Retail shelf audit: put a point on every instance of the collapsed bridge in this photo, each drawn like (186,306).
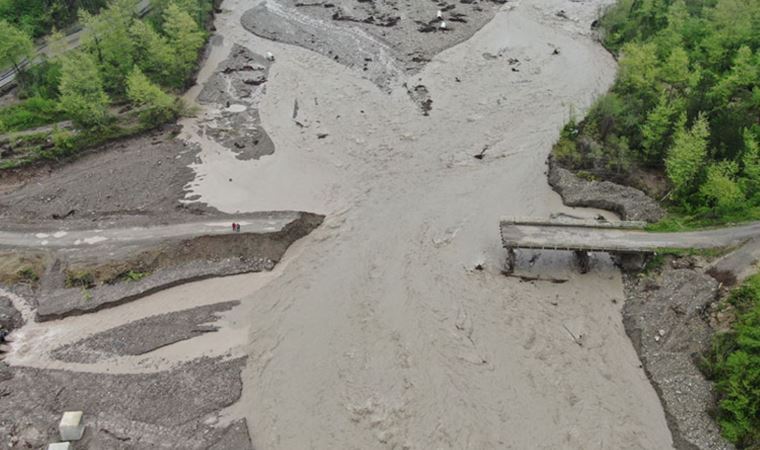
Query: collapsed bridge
(628,242)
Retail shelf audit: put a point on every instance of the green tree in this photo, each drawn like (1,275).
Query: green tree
(744,75)
(107,37)
(675,72)
(186,38)
(751,164)
(15,45)
(158,106)
(82,94)
(686,157)
(720,186)
(153,53)
(739,384)
(656,129)
(639,69)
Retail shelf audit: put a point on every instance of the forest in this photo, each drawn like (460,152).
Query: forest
(37,18)
(123,60)
(682,120)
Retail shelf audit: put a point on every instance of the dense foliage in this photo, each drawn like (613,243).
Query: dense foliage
(15,45)
(163,48)
(38,17)
(34,112)
(122,58)
(684,109)
(734,365)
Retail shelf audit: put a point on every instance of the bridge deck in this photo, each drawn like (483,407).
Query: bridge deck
(624,237)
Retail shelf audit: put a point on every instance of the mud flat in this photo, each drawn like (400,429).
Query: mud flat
(145,335)
(383,331)
(234,90)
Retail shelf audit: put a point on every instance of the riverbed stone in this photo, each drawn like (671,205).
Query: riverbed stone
(664,317)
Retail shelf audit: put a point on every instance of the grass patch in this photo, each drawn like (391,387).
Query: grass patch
(134,275)
(28,274)
(31,113)
(79,278)
(17,267)
(677,220)
(62,144)
(86,294)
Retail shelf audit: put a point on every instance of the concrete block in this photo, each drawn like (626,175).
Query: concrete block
(59,446)
(71,426)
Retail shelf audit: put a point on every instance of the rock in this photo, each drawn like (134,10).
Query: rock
(667,329)
(629,203)
(10,318)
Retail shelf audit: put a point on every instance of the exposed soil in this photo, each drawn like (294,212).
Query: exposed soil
(146,411)
(84,279)
(137,181)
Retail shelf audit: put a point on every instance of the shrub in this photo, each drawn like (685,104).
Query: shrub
(80,278)
(734,365)
(27,274)
(31,113)
(64,140)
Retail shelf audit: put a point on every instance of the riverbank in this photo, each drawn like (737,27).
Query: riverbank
(391,324)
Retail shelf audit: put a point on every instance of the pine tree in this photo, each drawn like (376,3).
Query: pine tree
(720,186)
(185,37)
(686,157)
(82,94)
(107,37)
(15,45)
(158,105)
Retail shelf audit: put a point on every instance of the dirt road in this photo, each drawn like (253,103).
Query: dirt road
(251,223)
(379,333)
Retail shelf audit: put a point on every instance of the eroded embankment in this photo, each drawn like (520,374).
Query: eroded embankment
(75,286)
(627,202)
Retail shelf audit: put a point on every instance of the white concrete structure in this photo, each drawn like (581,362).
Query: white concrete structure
(59,446)
(71,426)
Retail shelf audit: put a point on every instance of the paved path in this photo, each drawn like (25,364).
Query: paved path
(589,236)
(257,222)
(72,41)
